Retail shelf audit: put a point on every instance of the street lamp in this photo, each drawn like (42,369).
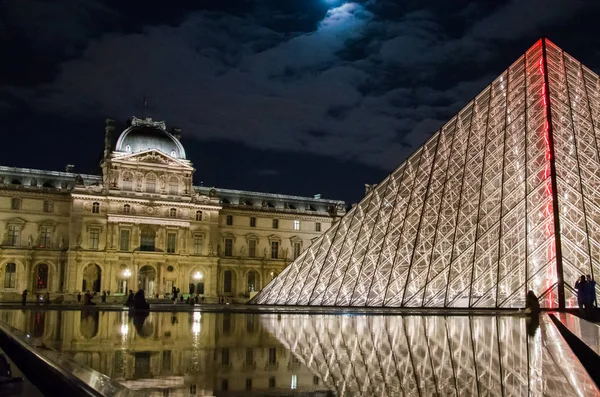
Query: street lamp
(198,276)
(126,273)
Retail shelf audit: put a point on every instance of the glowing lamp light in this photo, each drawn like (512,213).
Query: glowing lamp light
(198,276)
(126,273)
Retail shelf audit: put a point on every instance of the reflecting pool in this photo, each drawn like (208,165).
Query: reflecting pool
(226,354)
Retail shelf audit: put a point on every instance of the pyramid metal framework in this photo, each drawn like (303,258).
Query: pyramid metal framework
(503,199)
(433,355)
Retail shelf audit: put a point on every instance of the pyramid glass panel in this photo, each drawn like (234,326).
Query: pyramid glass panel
(503,199)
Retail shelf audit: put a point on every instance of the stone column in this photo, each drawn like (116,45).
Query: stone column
(161,275)
(109,236)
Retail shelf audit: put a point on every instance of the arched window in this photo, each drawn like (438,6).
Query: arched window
(198,216)
(173,185)
(95,208)
(10,275)
(126,209)
(173,212)
(127,181)
(148,239)
(151,183)
(41,281)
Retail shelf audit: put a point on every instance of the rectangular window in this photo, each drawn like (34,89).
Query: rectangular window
(94,241)
(296,225)
(316,380)
(225,356)
(197,245)
(224,385)
(166,360)
(229,220)
(10,275)
(272,355)
(14,235)
(294,381)
(274,249)
(297,249)
(248,383)
(228,247)
(227,278)
(317,226)
(275,223)
(45,237)
(252,221)
(124,240)
(15,204)
(171,242)
(272,382)
(252,248)
(249,356)
(48,206)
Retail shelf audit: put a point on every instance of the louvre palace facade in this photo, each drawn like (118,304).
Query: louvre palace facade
(143,224)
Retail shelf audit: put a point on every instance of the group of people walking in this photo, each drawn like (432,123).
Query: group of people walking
(586,295)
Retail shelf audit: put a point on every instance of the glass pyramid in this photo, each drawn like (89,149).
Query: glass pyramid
(503,199)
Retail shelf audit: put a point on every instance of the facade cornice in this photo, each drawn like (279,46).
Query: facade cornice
(122,199)
(36,192)
(279,214)
(147,221)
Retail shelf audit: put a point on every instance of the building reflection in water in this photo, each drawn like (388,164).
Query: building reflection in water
(223,353)
(174,354)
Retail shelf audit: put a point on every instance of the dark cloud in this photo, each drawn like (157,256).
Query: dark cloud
(363,81)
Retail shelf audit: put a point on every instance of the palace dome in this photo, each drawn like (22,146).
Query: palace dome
(146,134)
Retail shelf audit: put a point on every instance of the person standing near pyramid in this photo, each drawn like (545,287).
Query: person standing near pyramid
(590,297)
(580,285)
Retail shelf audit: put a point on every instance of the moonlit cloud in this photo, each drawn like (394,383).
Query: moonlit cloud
(368,82)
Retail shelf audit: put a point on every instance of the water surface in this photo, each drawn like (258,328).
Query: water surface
(226,354)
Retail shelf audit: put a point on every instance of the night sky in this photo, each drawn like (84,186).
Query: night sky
(285,96)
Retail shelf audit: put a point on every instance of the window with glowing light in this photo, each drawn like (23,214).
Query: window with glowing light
(10,275)
(41,281)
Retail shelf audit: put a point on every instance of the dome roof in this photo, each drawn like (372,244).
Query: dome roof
(145,135)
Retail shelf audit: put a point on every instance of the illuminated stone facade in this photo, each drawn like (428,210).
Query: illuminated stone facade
(502,200)
(142,224)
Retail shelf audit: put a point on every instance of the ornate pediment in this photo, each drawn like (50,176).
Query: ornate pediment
(154,157)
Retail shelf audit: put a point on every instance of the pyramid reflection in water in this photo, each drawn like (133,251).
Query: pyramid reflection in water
(503,199)
(435,355)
